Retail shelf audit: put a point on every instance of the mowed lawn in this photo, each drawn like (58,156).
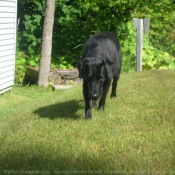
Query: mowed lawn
(43,131)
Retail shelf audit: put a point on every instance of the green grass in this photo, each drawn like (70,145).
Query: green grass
(43,131)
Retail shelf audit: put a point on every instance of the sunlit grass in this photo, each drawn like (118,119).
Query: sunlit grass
(44,132)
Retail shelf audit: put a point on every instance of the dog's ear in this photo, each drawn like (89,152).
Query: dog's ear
(81,66)
(109,65)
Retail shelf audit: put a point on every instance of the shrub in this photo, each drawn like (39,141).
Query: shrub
(76,21)
(20,68)
(152,58)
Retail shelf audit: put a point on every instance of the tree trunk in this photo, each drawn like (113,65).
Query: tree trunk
(46,50)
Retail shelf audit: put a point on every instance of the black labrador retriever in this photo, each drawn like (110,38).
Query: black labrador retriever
(101,61)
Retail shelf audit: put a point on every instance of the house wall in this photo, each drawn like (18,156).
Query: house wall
(8,13)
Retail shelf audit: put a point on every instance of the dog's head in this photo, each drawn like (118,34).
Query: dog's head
(95,71)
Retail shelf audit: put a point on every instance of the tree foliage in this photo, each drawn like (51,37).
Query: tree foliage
(76,21)
(152,58)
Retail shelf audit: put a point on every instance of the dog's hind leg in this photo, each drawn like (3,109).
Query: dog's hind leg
(106,86)
(114,84)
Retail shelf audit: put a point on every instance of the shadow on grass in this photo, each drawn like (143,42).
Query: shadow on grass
(66,110)
(59,164)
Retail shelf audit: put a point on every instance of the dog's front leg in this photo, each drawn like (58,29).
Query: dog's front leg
(106,86)
(114,84)
(88,110)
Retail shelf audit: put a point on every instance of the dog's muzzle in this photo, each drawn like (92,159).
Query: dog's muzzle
(94,96)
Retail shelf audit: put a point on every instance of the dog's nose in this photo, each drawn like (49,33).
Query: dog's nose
(94,96)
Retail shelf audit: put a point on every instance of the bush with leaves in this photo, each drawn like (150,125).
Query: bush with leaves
(156,59)
(153,58)
(31,15)
(20,67)
(76,21)
(162,24)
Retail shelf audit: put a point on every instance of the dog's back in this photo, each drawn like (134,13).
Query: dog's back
(103,45)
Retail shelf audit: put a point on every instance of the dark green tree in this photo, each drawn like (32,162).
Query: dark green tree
(76,21)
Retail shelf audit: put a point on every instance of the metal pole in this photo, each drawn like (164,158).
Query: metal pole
(146,26)
(139,44)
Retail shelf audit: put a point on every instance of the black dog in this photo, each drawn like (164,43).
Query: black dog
(101,61)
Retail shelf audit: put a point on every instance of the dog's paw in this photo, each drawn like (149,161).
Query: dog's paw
(113,95)
(87,118)
(88,114)
(101,108)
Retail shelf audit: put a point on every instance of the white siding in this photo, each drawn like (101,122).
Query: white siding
(8,13)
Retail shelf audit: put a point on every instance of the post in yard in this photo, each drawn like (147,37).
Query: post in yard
(138,24)
(146,26)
